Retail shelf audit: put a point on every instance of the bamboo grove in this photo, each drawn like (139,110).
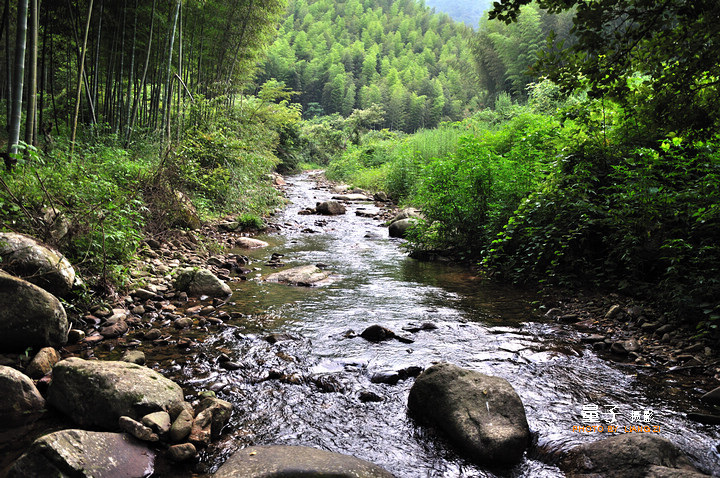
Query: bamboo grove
(123,66)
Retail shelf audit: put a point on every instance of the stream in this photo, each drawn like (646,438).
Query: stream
(304,389)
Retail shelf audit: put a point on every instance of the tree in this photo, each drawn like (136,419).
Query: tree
(17,88)
(669,47)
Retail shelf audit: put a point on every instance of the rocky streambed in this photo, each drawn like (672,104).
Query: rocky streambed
(320,347)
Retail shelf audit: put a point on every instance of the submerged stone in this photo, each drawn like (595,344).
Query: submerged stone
(294,461)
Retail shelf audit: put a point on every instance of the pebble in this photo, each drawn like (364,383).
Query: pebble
(183,323)
(134,356)
(152,334)
(137,429)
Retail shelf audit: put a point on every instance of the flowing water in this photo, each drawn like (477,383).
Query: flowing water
(304,388)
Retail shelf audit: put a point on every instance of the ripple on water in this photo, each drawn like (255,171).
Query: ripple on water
(305,391)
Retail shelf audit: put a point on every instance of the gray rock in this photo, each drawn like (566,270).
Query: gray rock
(152,334)
(19,399)
(182,452)
(143,294)
(631,455)
(300,276)
(250,243)
(134,356)
(43,362)
(401,227)
(381,196)
(24,257)
(182,426)
(114,329)
(29,316)
(183,323)
(84,454)
(177,408)
(407,213)
(330,208)
(57,223)
(212,416)
(158,421)
(625,347)
(98,393)
(137,429)
(480,414)
(183,213)
(197,282)
(294,461)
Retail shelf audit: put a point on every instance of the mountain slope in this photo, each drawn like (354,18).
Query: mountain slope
(343,55)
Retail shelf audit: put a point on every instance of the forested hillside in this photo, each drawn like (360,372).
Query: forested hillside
(352,54)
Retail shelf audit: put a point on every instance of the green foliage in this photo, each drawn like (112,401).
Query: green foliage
(468,196)
(248,221)
(641,220)
(348,56)
(672,45)
(96,190)
(505,54)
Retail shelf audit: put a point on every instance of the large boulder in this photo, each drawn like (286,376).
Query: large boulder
(29,316)
(19,399)
(294,461)
(197,282)
(330,208)
(183,213)
(630,455)
(401,227)
(85,454)
(407,213)
(98,393)
(480,414)
(24,257)
(301,276)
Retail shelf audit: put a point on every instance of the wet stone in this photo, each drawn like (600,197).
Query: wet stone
(389,378)
(183,323)
(230,365)
(42,363)
(158,421)
(182,452)
(182,426)
(134,356)
(295,461)
(366,396)
(377,333)
(137,429)
(152,334)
